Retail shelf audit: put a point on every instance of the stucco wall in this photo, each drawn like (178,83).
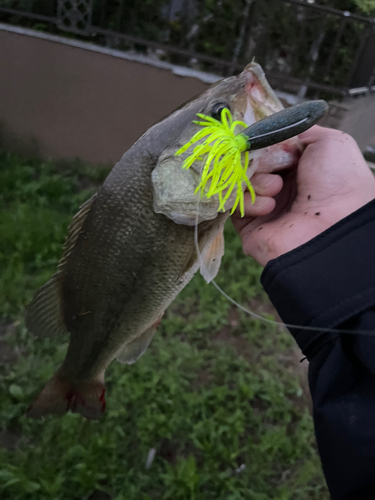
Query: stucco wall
(67,102)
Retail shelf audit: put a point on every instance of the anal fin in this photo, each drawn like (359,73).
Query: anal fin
(137,347)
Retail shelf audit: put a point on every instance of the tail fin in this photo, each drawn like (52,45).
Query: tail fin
(59,396)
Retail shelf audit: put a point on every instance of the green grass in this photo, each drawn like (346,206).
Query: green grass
(215,390)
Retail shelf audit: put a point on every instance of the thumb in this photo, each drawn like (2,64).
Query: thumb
(314,134)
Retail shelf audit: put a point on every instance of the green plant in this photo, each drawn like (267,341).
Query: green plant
(216,394)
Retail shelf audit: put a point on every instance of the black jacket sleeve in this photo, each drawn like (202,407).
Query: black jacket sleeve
(330,283)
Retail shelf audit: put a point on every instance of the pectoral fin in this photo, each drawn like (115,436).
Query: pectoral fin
(211,257)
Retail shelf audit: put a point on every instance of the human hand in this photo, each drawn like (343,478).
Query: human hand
(332,181)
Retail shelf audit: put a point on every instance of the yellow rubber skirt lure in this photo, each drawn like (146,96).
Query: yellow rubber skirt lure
(226,154)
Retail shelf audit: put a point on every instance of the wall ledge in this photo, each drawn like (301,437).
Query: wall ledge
(133,56)
(129,56)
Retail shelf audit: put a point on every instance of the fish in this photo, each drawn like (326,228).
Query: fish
(130,249)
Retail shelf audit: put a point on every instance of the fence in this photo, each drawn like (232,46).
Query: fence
(304,48)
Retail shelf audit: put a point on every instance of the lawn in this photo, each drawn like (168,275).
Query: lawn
(217,395)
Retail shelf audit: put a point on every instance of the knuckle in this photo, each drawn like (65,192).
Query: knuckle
(337,136)
(342,136)
(333,133)
(347,138)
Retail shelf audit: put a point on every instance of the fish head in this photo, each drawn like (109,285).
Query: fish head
(249,98)
(261,102)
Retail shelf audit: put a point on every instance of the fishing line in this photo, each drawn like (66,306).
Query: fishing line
(224,134)
(257,316)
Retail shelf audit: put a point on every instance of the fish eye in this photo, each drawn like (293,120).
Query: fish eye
(217,109)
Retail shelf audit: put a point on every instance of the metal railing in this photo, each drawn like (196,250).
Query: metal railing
(304,48)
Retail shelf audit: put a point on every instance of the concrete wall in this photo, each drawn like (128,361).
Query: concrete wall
(62,98)
(66,101)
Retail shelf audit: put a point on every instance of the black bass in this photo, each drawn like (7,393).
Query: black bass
(130,249)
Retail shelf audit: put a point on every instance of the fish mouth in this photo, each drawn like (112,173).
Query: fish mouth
(261,101)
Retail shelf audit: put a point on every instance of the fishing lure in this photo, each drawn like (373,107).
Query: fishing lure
(225,165)
(226,153)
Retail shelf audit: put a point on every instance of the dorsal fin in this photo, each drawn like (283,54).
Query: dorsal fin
(43,316)
(74,230)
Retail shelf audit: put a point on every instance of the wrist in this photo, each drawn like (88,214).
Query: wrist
(294,230)
(317,285)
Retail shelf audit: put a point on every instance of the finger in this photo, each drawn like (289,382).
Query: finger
(267,184)
(240,222)
(263,205)
(313,134)
(318,133)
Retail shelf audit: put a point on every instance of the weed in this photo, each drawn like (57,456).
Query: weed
(214,394)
